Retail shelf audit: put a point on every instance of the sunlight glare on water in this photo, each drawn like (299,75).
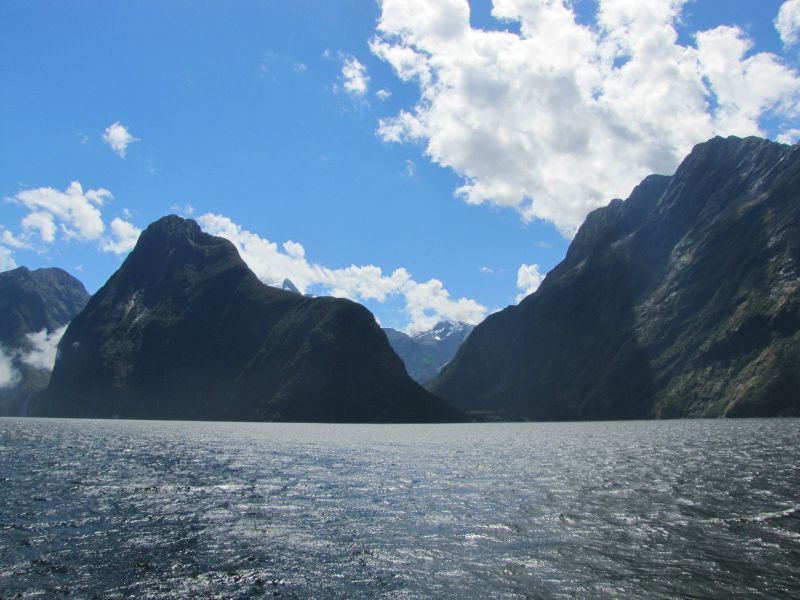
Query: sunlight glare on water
(239,510)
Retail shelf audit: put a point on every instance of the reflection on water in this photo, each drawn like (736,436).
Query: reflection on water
(233,510)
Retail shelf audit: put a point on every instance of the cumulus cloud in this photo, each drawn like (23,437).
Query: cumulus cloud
(76,212)
(44,348)
(561,117)
(745,87)
(383,95)
(9,376)
(9,239)
(790,137)
(354,76)
(426,303)
(42,222)
(788,23)
(67,215)
(123,237)
(7,261)
(118,137)
(186,210)
(528,280)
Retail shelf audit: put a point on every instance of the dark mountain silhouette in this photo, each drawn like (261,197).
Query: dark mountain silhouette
(43,300)
(184,330)
(682,301)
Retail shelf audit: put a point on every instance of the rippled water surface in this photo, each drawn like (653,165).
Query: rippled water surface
(115,509)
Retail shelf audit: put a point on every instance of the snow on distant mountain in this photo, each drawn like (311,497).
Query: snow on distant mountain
(426,353)
(443,331)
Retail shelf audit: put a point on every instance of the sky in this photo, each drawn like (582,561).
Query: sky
(430,159)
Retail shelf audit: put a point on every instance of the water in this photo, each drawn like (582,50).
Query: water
(115,509)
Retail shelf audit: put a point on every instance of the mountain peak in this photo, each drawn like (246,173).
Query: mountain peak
(174,249)
(425,353)
(21,270)
(681,301)
(443,330)
(174,223)
(185,330)
(288,286)
(171,230)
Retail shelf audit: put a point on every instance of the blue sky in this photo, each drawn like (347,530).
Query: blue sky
(425,159)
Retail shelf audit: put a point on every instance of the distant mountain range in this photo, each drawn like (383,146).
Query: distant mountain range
(34,306)
(682,301)
(424,354)
(184,330)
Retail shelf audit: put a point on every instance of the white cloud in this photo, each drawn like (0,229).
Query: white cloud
(486,270)
(42,222)
(788,22)
(185,210)
(77,212)
(426,303)
(123,237)
(118,137)
(9,239)
(528,280)
(383,95)
(745,88)
(562,117)
(792,136)
(411,169)
(6,259)
(354,74)
(9,376)
(262,256)
(45,346)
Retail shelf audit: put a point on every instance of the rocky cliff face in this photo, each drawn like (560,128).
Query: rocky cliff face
(34,306)
(682,301)
(184,330)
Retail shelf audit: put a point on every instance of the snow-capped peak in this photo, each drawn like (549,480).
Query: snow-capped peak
(443,330)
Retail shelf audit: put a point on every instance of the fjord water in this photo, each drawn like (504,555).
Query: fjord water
(179,509)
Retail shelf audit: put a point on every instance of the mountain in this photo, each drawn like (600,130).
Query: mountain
(682,301)
(184,330)
(34,306)
(288,286)
(424,354)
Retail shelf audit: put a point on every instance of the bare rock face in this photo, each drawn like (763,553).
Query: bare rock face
(682,301)
(184,330)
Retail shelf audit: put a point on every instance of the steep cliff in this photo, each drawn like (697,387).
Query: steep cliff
(682,301)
